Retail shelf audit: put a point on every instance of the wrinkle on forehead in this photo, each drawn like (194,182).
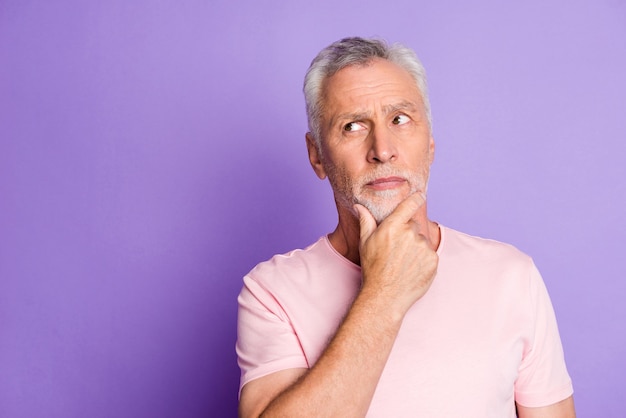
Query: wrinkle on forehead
(401,106)
(360,92)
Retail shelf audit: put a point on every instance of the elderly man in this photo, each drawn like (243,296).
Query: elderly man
(392,314)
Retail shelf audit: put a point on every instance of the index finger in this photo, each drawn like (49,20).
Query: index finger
(407,209)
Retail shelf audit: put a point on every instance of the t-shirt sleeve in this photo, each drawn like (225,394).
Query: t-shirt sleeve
(543,379)
(266,341)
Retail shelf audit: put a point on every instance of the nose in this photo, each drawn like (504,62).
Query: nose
(382,146)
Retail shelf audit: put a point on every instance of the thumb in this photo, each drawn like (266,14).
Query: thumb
(366,221)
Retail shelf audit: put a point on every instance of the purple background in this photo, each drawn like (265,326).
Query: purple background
(152,152)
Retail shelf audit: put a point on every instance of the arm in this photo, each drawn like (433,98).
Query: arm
(543,369)
(258,393)
(563,409)
(398,265)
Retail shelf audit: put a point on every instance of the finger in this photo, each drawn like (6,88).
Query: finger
(407,209)
(366,221)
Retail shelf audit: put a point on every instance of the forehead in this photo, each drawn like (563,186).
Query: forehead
(378,83)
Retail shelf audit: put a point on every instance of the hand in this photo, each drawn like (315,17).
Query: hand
(398,263)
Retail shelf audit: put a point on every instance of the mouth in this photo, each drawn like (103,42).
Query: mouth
(386,183)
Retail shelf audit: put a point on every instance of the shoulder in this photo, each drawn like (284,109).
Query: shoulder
(484,259)
(292,261)
(300,267)
(460,244)
(488,270)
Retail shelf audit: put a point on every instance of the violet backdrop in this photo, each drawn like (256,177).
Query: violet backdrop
(152,152)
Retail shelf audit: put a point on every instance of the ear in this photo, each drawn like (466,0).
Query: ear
(314,156)
(431,151)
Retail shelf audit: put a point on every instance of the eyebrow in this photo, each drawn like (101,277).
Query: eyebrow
(404,105)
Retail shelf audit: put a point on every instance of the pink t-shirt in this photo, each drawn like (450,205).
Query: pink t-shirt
(482,338)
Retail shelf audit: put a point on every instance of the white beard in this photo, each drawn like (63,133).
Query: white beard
(380,203)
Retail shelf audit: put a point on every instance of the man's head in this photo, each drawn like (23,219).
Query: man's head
(373,138)
(360,52)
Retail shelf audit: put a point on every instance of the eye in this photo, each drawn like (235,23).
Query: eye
(352,127)
(400,120)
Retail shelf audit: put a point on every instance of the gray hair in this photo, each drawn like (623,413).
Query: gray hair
(356,51)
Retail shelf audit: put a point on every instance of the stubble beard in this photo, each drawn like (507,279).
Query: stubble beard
(380,203)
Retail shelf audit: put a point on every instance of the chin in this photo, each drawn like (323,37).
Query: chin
(380,211)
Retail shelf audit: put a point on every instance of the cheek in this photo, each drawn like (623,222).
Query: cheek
(425,155)
(340,163)
(340,178)
(431,155)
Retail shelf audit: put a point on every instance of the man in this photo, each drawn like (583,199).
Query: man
(391,314)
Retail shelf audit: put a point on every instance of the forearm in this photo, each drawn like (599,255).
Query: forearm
(562,409)
(343,381)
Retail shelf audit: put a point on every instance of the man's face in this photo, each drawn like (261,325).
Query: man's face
(376,146)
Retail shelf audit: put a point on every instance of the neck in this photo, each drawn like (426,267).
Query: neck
(345,239)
